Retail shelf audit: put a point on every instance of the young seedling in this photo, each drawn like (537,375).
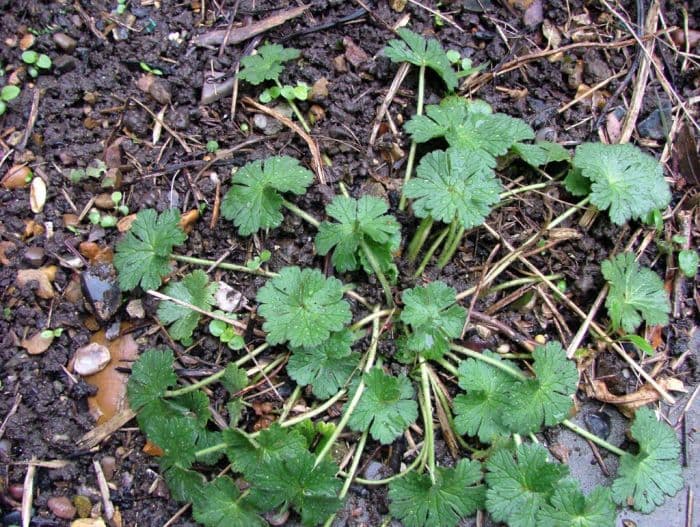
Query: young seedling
(254,201)
(267,65)
(364,236)
(95,170)
(415,49)
(226,333)
(7,94)
(456,187)
(212,146)
(36,62)
(619,178)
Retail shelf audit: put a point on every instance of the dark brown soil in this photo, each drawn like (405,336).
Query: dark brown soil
(87,111)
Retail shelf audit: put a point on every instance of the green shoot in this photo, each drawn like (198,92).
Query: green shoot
(7,94)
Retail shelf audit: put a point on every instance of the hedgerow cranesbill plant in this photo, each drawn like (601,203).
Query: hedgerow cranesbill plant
(362,386)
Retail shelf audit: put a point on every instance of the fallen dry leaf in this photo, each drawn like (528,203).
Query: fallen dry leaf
(188,219)
(36,344)
(17,176)
(398,5)
(37,195)
(43,277)
(628,403)
(111,384)
(96,254)
(152,449)
(124,224)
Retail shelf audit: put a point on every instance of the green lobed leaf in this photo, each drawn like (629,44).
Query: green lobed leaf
(151,376)
(184,484)
(636,294)
(547,398)
(327,366)
(302,307)
(576,184)
(645,479)
(418,502)
(220,504)
(471,126)
(310,489)
(415,49)
(234,379)
(688,262)
(192,404)
(177,437)
(434,316)
(266,64)
(272,445)
(568,507)
(453,184)
(488,398)
(386,407)
(541,153)
(143,256)
(363,220)
(193,289)
(519,487)
(254,200)
(624,180)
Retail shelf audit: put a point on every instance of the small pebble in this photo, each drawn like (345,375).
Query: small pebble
(16,491)
(109,465)
(90,359)
(135,309)
(64,64)
(101,291)
(5,449)
(375,470)
(61,507)
(540,339)
(64,42)
(34,256)
(160,91)
(83,505)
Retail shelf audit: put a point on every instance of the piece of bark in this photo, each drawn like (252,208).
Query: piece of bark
(239,34)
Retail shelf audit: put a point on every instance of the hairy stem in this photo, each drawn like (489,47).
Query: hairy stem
(593,438)
(369,318)
(215,376)
(289,404)
(450,248)
(520,190)
(429,437)
(374,264)
(301,213)
(412,152)
(431,250)
(352,404)
(221,265)
(419,237)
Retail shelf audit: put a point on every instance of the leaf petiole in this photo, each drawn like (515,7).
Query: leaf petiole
(301,213)
(420,237)
(412,152)
(296,110)
(377,268)
(431,250)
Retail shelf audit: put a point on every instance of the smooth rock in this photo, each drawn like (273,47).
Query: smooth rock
(598,423)
(61,507)
(64,64)
(34,256)
(101,291)
(656,125)
(109,465)
(375,470)
(65,42)
(135,309)
(90,359)
(160,91)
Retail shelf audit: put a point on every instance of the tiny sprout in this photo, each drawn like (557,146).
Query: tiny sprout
(108,221)
(121,7)
(245,128)
(94,216)
(453,56)
(51,333)
(212,146)
(149,69)
(116,197)
(7,94)
(561,285)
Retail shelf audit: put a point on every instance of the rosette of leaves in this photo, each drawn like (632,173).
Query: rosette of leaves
(361,226)
(621,179)
(470,126)
(254,200)
(302,307)
(434,319)
(454,184)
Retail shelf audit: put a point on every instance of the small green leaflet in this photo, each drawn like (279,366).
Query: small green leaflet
(636,294)
(434,318)
(568,507)
(194,289)
(266,64)
(518,488)
(489,392)
(471,126)
(220,504)
(183,484)
(541,153)
(547,398)
(417,502)
(688,261)
(327,366)
(310,490)
(302,307)
(234,379)
(386,407)
(254,201)
(143,256)
(415,49)
(151,376)
(623,179)
(453,184)
(364,220)
(272,445)
(177,437)
(645,479)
